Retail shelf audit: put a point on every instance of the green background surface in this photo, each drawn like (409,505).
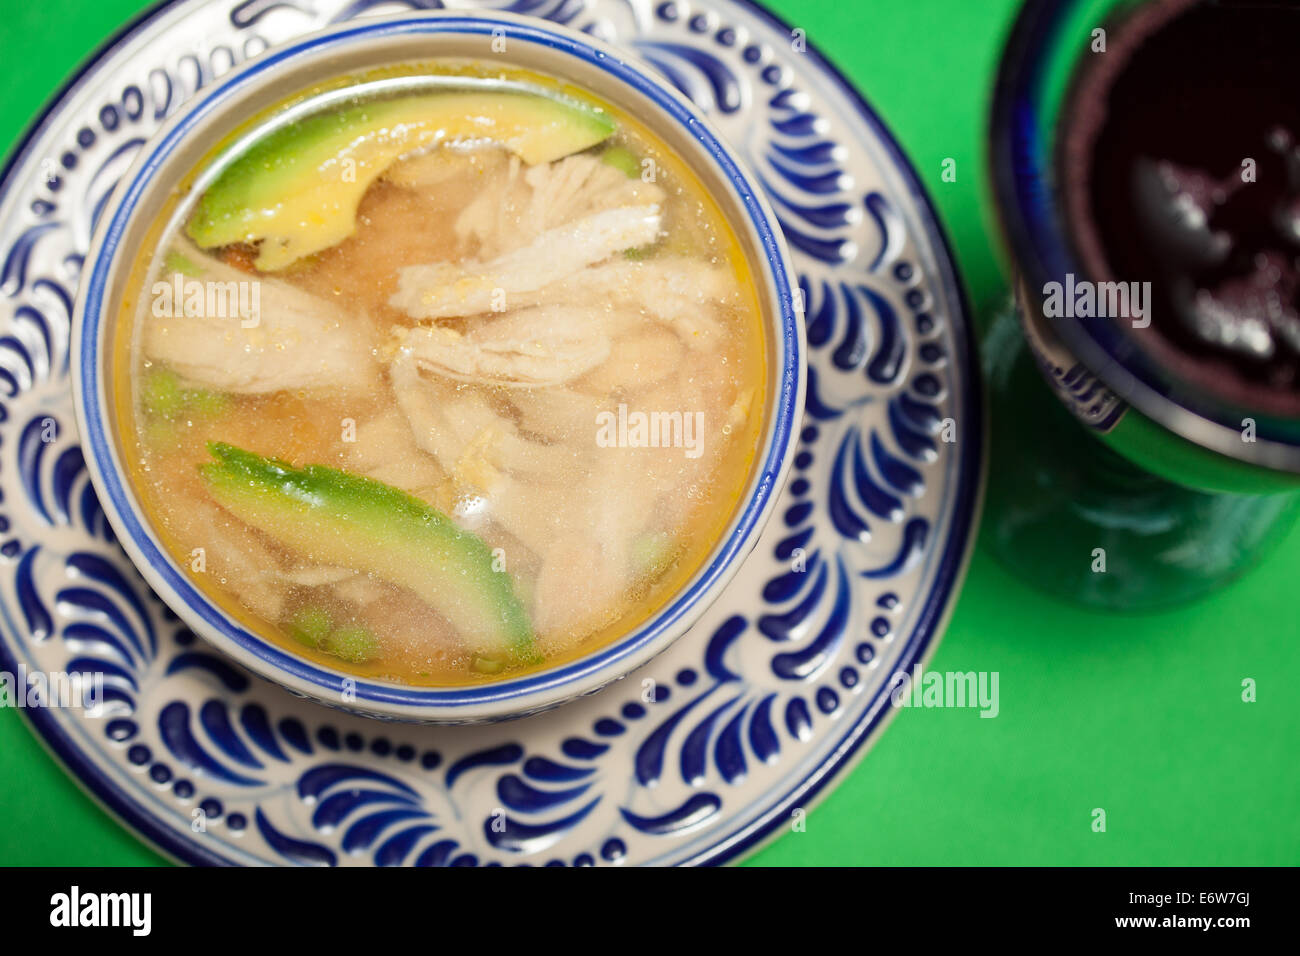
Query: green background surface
(1139,715)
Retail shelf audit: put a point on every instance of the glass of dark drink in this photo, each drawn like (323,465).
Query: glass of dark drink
(1146,168)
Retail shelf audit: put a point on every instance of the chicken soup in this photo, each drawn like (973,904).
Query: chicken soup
(442,384)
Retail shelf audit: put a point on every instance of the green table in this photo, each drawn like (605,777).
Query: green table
(1140,716)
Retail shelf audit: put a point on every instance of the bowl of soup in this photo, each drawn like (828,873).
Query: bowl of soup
(439,367)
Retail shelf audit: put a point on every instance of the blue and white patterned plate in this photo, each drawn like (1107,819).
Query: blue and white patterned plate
(696,758)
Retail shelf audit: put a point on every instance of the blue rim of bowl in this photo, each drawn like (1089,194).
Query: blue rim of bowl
(1021,170)
(744,529)
(949,572)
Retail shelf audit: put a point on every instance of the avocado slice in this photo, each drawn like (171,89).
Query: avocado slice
(314,627)
(296,191)
(342,519)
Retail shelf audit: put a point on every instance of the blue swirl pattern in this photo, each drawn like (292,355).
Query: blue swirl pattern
(665,766)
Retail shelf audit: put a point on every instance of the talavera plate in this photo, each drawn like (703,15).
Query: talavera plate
(712,748)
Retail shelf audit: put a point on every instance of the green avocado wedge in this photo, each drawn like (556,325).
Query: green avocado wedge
(335,518)
(296,191)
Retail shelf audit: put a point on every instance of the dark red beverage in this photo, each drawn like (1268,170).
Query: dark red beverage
(1180,166)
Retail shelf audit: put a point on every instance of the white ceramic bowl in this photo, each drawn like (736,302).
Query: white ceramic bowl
(259,85)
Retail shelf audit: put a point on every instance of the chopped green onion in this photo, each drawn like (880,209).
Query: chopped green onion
(352,643)
(163,395)
(178,262)
(488,665)
(311,626)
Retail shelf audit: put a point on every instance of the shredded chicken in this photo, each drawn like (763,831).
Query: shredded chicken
(444,289)
(684,293)
(470,439)
(386,451)
(290,339)
(527,348)
(315,576)
(362,589)
(587,569)
(559,414)
(235,556)
(636,362)
(526,204)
